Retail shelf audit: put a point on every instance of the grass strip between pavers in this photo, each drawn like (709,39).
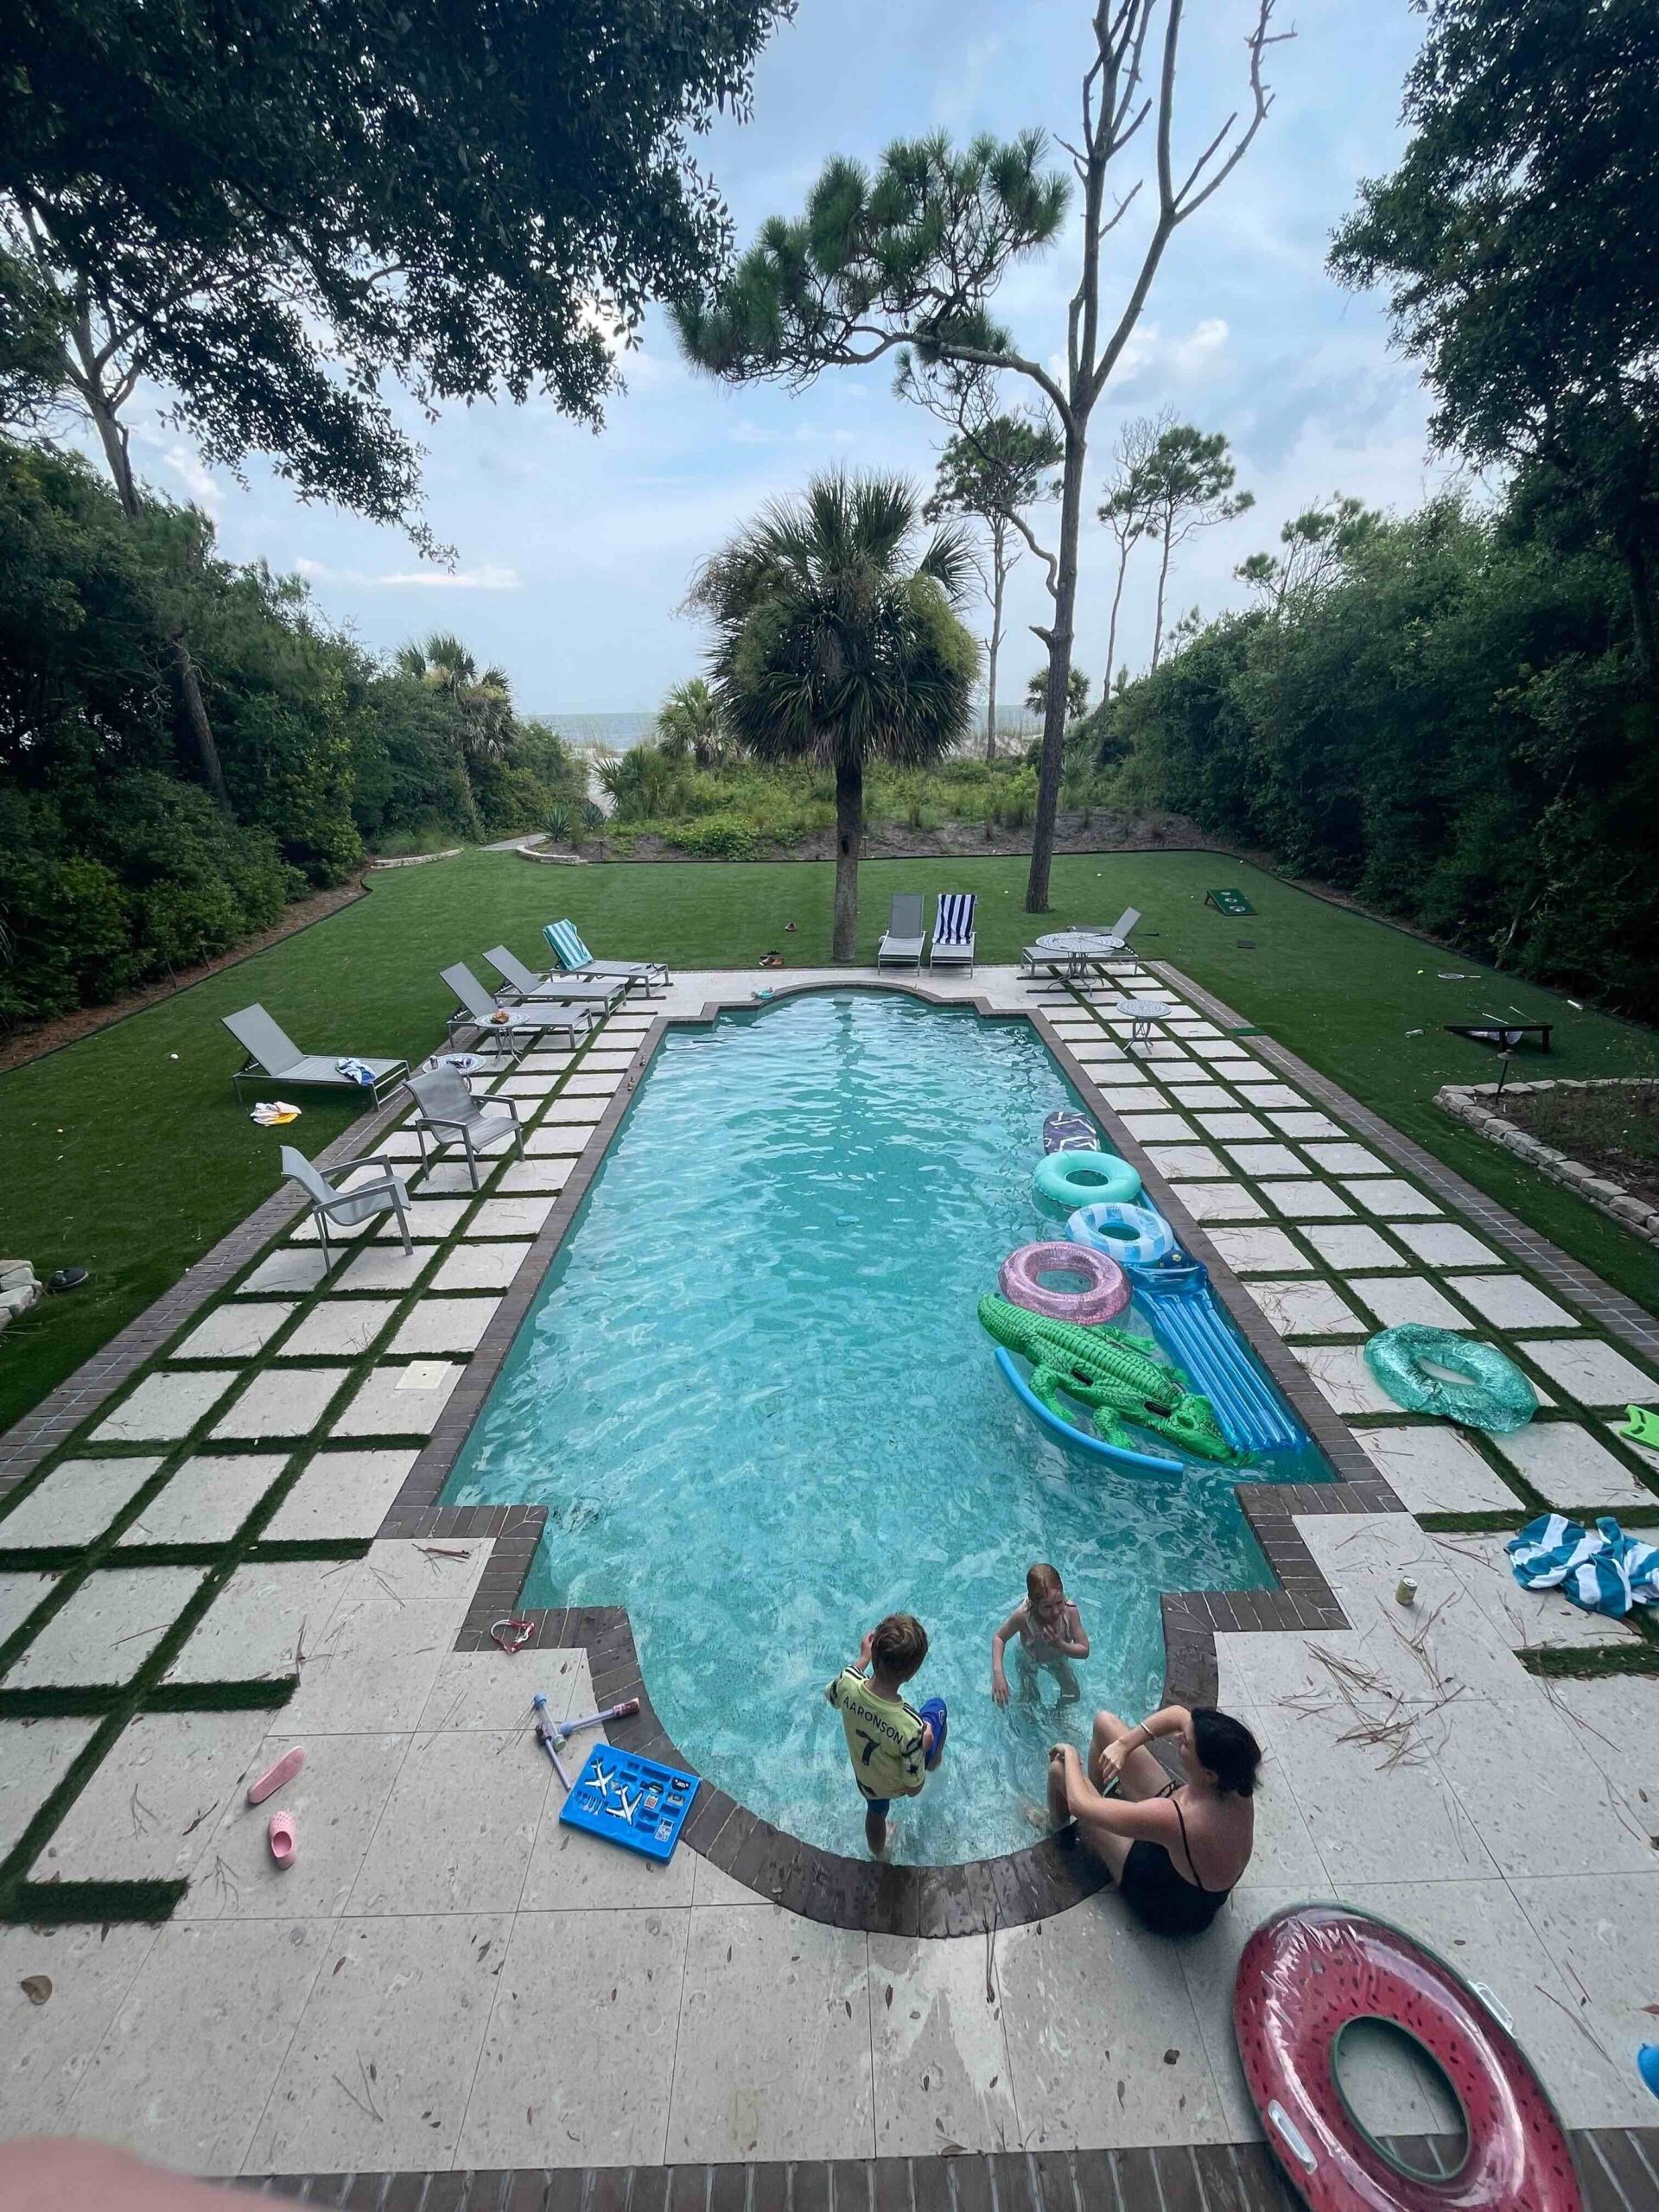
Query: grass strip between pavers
(119,1703)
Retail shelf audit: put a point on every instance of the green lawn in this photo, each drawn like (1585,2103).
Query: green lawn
(127,1153)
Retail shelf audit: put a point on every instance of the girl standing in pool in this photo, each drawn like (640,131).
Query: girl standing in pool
(1051,1635)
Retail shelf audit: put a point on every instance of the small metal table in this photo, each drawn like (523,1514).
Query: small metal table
(1076,950)
(1140,1014)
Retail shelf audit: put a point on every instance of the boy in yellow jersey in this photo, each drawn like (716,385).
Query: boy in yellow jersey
(893,1747)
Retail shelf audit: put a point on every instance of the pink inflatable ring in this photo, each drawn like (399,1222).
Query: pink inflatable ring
(1106,1293)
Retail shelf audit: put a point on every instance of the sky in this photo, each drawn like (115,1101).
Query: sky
(572,550)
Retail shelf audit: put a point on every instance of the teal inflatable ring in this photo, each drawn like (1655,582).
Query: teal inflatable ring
(1491,1391)
(1070,1180)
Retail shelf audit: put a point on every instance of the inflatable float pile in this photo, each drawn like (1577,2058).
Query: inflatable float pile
(1113,1374)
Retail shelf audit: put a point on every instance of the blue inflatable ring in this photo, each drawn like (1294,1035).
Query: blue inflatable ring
(1070,1180)
(1132,1234)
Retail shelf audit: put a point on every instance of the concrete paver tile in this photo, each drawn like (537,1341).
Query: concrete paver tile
(290,1268)
(774,2039)
(341,1494)
(1307,1309)
(1569,1466)
(479,1267)
(34,1756)
(156,1796)
(336,1800)
(210,2004)
(206,1500)
(1436,1471)
(282,1401)
(1107,2080)
(1310,1201)
(1591,1372)
(166,1405)
(1209,1202)
(1254,1251)
(1443,1244)
(401,1400)
(1398,1299)
(264,1623)
(236,1330)
(457,1830)
(577,2064)
(75,1503)
(1342,1246)
(107,1628)
(942,2070)
(49,2046)
(443,1324)
(377,2072)
(339,1328)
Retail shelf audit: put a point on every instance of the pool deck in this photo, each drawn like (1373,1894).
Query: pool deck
(220,1539)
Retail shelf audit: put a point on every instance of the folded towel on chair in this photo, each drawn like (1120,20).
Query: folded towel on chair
(1601,1569)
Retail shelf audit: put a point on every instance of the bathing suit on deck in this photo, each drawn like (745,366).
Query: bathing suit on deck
(1159,1894)
(884,1738)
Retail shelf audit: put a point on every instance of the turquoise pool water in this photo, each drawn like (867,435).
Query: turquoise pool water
(755,1400)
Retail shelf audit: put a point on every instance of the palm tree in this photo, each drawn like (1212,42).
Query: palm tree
(833,642)
(688,723)
(483,698)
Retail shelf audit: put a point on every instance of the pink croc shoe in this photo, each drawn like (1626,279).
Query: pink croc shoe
(273,1778)
(280,1836)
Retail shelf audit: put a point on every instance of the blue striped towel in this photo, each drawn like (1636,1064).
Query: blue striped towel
(568,948)
(355,1072)
(1601,1569)
(954,922)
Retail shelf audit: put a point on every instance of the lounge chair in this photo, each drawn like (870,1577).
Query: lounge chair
(521,1026)
(953,931)
(345,1209)
(1077,965)
(906,932)
(449,1112)
(273,1058)
(524,983)
(564,941)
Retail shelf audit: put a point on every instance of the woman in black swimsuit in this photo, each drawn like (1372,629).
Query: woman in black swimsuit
(1175,1849)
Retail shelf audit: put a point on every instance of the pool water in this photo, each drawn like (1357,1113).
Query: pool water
(754,1398)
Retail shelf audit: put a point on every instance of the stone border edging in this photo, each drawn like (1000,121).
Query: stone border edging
(978,1896)
(1463,1103)
(1615,2167)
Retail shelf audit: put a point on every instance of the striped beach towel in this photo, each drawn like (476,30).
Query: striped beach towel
(568,948)
(955,924)
(1601,1569)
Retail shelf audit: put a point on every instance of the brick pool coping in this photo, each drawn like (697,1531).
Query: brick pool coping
(978,1896)
(1618,2170)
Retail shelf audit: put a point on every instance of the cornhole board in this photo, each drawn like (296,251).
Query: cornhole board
(1229,902)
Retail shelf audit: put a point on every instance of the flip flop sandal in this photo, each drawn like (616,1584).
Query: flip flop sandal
(273,1778)
(280,1836)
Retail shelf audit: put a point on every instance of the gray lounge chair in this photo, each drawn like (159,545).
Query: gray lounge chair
(345,1209)
(564,942)
(522,1025)
(273,1058)
(953,931)
(524,983)
(906,932)
(449,1112)
(1075,965)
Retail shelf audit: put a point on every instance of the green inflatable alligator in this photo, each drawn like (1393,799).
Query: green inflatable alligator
(1113,1374)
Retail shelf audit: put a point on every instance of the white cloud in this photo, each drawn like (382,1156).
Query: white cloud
(198,484)
(490,576)
(1193,354)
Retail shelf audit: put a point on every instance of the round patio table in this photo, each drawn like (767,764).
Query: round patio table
(1076,948)
(1140,1014)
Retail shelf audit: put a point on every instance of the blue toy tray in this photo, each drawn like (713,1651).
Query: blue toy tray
(629,1801)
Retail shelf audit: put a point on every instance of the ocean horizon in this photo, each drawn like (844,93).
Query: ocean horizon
(615,732)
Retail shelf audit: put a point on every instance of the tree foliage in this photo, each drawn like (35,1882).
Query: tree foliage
(1516,238)
(1076,693)
(909,258)
(996,467)
(269,213)
(1449,727)
(115,867)
(836,639)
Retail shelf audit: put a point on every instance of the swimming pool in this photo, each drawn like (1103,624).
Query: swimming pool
(753,1396)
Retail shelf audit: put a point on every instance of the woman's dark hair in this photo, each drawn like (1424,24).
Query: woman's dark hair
(1227,1748)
